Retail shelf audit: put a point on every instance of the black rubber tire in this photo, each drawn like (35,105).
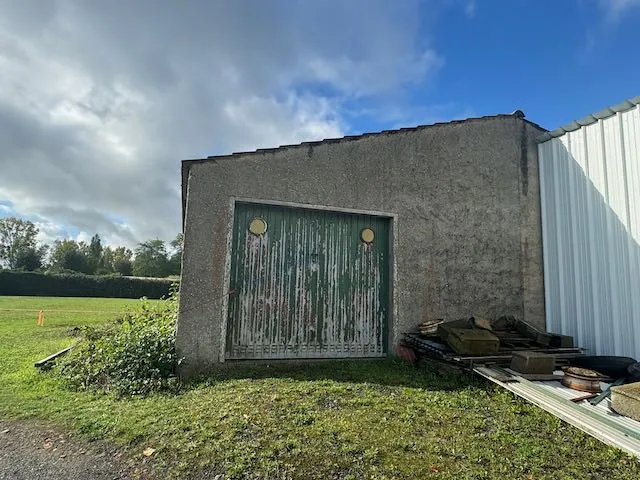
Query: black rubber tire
(633,372)
(614,367)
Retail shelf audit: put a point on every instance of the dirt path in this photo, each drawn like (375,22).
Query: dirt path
(31,451)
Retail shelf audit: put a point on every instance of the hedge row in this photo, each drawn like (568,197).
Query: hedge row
(67,285)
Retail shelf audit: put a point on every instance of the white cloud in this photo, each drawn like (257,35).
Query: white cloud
(288,121)
(616,8)
(99,101)
(366,78)
(470,8)
(50,231)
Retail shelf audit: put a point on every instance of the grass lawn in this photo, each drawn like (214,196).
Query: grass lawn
(366,419)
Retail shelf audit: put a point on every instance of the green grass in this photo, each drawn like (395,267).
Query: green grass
(366,419)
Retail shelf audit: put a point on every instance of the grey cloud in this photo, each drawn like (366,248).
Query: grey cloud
(99,101)
(89,220)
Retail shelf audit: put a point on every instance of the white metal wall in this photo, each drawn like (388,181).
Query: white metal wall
(590,195)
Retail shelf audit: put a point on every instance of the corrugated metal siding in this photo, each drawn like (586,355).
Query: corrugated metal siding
(309,287)
(590,195)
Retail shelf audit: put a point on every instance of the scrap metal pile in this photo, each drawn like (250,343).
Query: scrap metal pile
(508,350)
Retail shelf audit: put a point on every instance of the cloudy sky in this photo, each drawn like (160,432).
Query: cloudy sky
(100,100)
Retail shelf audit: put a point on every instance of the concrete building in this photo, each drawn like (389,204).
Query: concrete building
(335,248)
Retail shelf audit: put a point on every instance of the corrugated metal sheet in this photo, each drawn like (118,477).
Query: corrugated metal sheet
(596,420)
(590,119)
(590,198)
(309,287)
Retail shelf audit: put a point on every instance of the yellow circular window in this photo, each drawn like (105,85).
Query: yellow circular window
(258,226)
(367,235)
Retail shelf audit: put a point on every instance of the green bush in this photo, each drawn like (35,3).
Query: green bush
(78,285)
(133,355)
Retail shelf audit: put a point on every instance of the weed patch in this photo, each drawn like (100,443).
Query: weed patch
(133,355)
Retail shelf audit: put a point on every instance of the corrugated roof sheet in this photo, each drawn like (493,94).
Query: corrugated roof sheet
(590,119)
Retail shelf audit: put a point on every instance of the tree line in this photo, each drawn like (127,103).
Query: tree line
(20,250)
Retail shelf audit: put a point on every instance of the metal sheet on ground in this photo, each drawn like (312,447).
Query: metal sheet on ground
(598,421)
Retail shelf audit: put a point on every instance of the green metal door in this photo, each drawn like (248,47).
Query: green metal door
(307,284)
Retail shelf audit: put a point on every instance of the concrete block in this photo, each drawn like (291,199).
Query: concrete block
(473,341)
(533,362)
(625,400)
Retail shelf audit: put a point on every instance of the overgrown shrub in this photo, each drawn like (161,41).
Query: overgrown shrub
(79,285)
(133,355)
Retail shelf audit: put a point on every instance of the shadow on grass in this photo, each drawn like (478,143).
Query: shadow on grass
(427,374)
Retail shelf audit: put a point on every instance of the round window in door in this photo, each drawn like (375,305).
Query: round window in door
(258,226)
(367,235)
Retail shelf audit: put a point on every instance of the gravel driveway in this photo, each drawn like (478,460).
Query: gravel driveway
(31,451)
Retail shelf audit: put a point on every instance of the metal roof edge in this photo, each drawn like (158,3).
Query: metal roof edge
(590,119)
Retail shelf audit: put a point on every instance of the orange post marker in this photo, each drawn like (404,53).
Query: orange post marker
(40,321)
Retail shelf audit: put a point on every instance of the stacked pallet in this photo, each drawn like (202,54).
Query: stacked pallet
(476,339)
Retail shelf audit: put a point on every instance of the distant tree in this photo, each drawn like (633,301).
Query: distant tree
(105,265)
(177,242)
(175,259)
(71,255)
(122,262)
(18,243)
(151,259)
(31,258)
(94,253)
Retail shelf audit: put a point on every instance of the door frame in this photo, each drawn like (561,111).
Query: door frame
(393,220)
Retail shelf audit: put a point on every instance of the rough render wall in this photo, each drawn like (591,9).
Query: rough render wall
(531,230)
(468,220)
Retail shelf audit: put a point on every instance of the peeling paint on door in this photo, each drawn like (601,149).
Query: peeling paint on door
(309,286)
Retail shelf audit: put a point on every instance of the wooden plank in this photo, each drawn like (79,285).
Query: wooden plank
(42,363)
(494,358)
(583,397)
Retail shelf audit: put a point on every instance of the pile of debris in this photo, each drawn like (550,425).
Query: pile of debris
(478,341)
(598,394)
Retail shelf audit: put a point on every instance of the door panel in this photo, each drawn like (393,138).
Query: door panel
(309,286)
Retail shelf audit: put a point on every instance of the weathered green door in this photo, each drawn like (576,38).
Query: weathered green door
(307,284)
